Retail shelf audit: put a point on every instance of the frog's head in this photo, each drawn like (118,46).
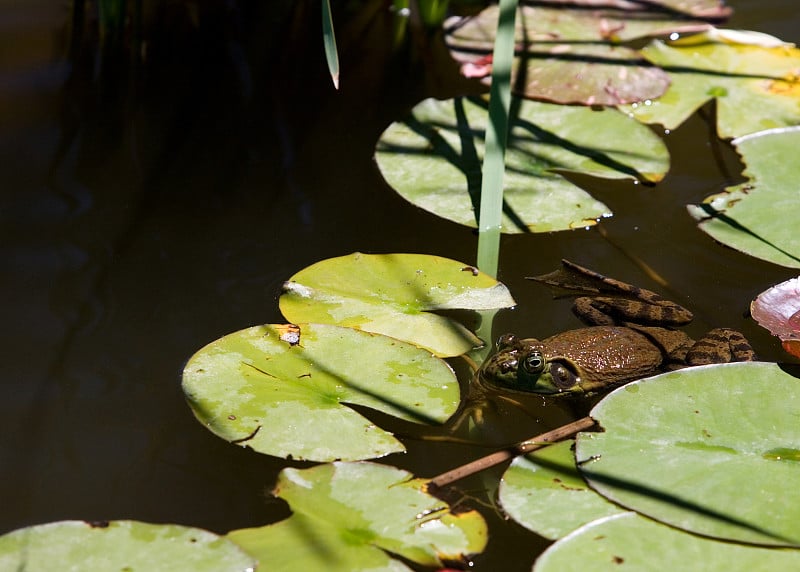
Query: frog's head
(524,365)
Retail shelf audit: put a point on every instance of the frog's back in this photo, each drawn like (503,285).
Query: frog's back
(606,354)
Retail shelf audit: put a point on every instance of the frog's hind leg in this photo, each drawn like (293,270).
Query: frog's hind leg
(720,345)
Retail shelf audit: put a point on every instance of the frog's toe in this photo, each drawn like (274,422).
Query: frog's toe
(720,345)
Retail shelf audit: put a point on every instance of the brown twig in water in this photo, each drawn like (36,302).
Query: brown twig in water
(522,448)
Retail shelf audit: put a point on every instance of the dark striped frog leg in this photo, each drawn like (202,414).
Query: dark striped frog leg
(720,345)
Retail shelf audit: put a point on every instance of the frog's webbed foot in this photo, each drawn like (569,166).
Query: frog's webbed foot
(720,345)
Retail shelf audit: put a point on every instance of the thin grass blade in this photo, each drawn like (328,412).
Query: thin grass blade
(491,208)
(329,40)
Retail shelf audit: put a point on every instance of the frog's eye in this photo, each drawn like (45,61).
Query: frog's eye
(505,341)
(533,363)
(563,377)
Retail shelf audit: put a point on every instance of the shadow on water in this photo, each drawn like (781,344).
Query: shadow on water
(147,216)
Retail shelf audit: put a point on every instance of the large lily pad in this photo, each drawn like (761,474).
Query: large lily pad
(713,450)
(630,542)
(760,217)
(395,295)
(752,77)
(570,52)
(283,390)
(544,492)
(77,546)
(433,159)
(355,516)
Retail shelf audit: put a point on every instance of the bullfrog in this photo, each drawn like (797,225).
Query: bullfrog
(631,334)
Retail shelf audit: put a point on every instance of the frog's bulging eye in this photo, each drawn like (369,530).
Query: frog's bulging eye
(505,341)
(563,377)
(533,363)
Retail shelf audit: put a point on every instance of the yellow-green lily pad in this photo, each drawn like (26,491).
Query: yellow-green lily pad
(759,217)
(544,492)
(753,77)
(119,545)
(284,390)
(713,450)
(396,295)
(358,516)
(628,541)
(433,159)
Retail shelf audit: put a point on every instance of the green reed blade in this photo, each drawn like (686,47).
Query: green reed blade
(329,39)
(491,209)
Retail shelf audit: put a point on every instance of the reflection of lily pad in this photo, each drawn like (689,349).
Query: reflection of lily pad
(119,545)
(544,493)
(760,217)
(395,295)
(355,516)
(712,450)
(756,87)
(571,53)
(282,390)
(630,542)
(433,160)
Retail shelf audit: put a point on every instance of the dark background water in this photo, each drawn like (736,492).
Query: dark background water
(147,214)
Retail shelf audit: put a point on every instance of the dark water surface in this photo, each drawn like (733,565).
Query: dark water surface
(137,228)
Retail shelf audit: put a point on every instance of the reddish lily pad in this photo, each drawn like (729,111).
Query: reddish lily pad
(778,310)
(570,54)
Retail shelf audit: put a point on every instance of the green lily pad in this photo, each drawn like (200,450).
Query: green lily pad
(355,516)
(753,80)
(433,160)
(544,492)
(283,390)
(395,295)
(630,542)
(760,217)
(117,546)
(713,450)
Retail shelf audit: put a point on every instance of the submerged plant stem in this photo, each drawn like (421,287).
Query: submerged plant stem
(491,209)
(527,446)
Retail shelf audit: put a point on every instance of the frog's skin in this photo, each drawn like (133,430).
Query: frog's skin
(631,336)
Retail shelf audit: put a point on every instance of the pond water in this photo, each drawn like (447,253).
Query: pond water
(142,223)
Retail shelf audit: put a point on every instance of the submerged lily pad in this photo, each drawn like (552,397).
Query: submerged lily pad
(759,217)
(544,492)
(713,450)
(433,159)
(395,295)
(754,82)
(355,516)
(283,390)
(630,542)
(119,545)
